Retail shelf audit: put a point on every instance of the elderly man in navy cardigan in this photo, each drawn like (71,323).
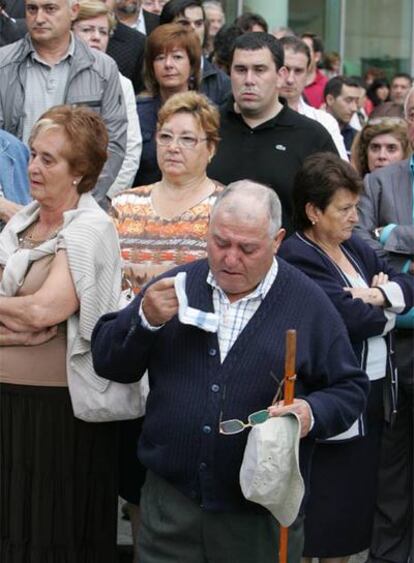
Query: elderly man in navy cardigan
(192,506)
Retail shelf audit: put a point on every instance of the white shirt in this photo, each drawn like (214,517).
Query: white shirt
(329,122)
(233,317)
(133,149)
(139,24)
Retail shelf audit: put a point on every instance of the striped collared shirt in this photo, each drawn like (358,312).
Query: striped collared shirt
(233,317)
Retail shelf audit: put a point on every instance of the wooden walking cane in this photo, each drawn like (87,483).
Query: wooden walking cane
(289,393)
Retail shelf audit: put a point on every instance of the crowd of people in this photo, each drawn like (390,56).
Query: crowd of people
(234,183)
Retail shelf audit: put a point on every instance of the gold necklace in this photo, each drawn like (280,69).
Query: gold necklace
(27,239)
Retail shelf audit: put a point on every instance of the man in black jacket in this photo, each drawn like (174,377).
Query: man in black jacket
(131,13)
(261,137)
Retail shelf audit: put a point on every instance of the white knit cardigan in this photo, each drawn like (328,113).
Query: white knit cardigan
(89,237)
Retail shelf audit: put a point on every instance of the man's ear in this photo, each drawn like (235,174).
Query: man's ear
(329,100)
(74,11)
(281,77)
(277,241)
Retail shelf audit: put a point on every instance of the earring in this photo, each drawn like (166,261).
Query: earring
(313,222)
(74,183)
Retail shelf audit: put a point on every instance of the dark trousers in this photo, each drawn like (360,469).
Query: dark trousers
(392,540)
(174,529)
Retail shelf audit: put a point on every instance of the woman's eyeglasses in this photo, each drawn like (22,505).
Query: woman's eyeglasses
(185,141)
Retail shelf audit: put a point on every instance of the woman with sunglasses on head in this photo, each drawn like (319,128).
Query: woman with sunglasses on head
(163,225)
(382,141)
(171,66)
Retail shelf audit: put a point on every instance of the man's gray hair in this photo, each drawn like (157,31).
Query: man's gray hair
(213,4)
(263,195)
(407,98)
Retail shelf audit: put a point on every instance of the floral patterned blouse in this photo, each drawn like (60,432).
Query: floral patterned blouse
(150,244)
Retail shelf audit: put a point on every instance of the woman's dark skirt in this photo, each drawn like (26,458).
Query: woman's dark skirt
(58,480)
(343,489)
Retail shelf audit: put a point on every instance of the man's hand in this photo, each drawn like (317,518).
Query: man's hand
(300,407)
(11,338)
(160,302)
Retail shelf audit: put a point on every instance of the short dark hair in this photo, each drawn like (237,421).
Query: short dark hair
(246,21)
(223,45)
(256,40)
(372,90)
(296,45)
(317,42)
(175,8)
(402,75)
(321,175)
(334,86)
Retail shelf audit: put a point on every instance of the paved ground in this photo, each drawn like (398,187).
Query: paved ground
(125,542)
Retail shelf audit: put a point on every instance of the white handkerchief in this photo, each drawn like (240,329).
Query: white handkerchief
(188,315)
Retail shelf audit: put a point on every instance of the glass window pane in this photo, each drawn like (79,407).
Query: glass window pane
(378,34)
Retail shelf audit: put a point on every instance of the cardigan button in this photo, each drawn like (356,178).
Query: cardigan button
(203,466)
(215,388)
(212,352)
(206,429)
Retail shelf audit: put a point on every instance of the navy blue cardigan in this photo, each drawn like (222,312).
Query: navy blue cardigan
(190,387)
(361,319)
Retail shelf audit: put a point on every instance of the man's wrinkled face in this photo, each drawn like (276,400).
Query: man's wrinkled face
(240,249)
(50,20)
(400,87)
(128,7)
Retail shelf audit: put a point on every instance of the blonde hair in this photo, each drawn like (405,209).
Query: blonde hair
(200,107)
(93,8)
